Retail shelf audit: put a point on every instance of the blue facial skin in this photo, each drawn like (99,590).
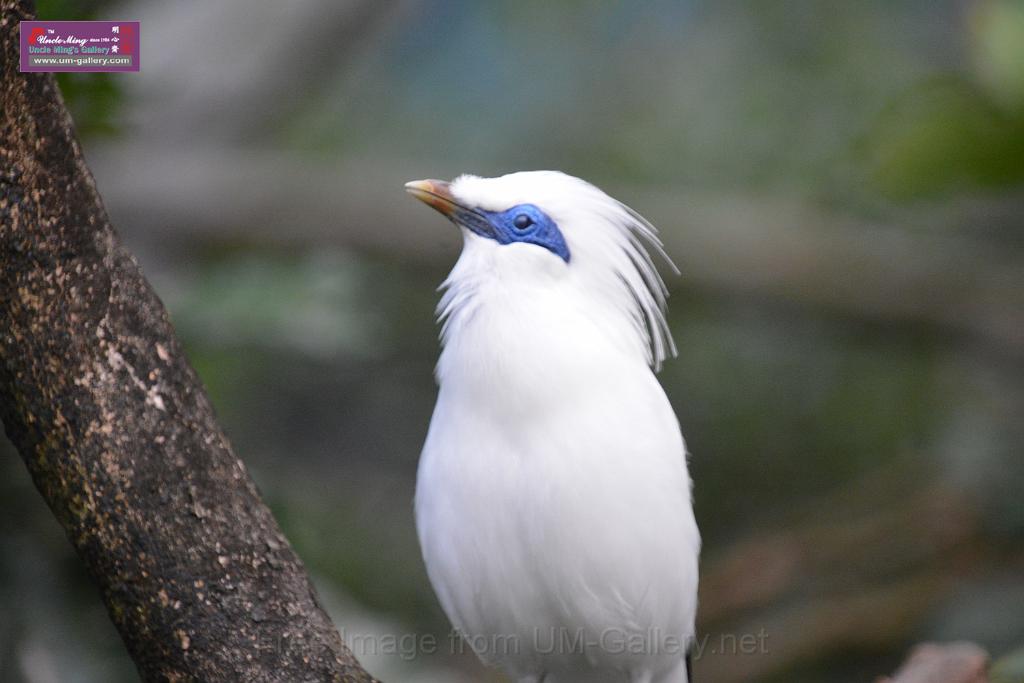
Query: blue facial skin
(522,223)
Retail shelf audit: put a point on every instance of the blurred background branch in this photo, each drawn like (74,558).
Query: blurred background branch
(774,247)
(956,663)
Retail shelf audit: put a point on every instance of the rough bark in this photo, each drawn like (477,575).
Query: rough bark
(119,435)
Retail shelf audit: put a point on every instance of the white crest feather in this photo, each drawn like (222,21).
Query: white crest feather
(647,286)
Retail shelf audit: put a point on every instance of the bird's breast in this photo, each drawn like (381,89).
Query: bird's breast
(552,509)
(519,351)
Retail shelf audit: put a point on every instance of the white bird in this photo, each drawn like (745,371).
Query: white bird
(553,500)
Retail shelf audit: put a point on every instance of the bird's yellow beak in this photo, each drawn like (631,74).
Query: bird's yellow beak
(435,194)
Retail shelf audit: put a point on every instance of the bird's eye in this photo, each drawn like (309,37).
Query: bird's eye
(522,221)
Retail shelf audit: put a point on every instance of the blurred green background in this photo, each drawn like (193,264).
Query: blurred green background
(841,183)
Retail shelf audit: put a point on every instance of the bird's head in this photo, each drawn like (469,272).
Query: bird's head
(545,232)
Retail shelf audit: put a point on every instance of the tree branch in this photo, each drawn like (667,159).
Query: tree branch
(118,434)
(950,663)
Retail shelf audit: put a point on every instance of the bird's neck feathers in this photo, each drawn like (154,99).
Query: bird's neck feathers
(513,313)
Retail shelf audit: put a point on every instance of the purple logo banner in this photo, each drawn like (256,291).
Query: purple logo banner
(79,46)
